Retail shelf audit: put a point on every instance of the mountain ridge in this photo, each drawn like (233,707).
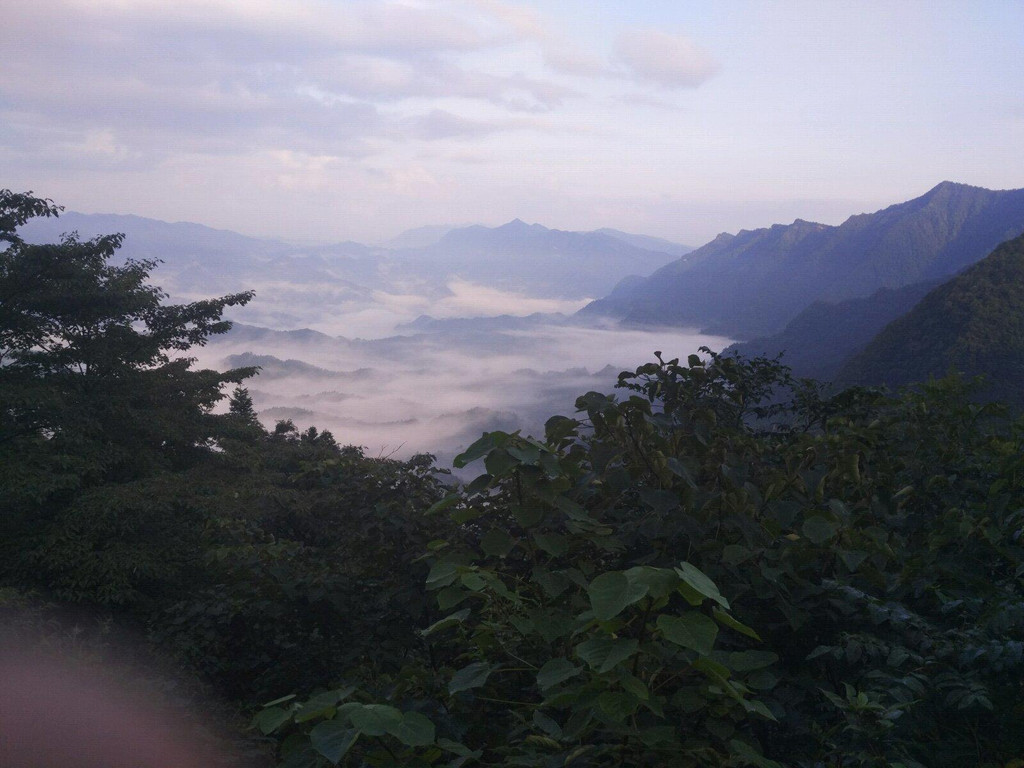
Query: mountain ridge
(973,323)
(754,282)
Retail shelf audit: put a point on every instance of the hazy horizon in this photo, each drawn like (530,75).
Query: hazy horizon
(313,121)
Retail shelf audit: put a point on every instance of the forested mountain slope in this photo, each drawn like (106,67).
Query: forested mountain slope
(820,339)
(754,282)
(973,324)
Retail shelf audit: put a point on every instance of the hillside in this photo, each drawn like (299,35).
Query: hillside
(820,339)
(754,282)
(973,324)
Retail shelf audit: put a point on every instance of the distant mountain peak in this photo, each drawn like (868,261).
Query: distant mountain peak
(948,187)
(518,225)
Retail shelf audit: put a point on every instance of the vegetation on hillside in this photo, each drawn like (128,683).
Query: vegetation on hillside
(722,566)
(818,341)
(972,324)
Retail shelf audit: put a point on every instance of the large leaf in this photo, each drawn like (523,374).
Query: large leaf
(819,529)
(659,582)
(692,630)
(477,450)
(472,676)
(415,730)
(375,719)
(603,653)
(442,573)
(269,719)
(611,592)
(618,705)
(333,739)
(556,671)
(699,583)
(496,542)
(727,620)
(448,621)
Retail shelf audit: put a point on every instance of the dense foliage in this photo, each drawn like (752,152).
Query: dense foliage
(124,490)
(705,572)
(724,566)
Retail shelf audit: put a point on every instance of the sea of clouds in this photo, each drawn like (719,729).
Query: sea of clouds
(422,373)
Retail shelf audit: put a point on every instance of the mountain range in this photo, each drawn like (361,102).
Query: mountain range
(861,302)
(541,262)
(517,257)
(753,283)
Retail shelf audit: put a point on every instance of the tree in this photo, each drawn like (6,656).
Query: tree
(99,406)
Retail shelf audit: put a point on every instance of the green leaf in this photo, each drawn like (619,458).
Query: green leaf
(819,529)
(726,620)
(322,704)
(618,705)
(333,739)
(552,543)
(496,543)
(457,748)
(448,621)
(659,735)
(448,501)
(634,685)
(852,559)
(524,453)
(546,724)
(694,578)
(472,676)
(473,581)
(603,653)
(477,450)
(498,462)
(270,719)
(659,582)
(281,700)
(556,671)
(692,630)
(442,573)
(748,661)
(744,754)
(375,719)
(611,592)
(415,730)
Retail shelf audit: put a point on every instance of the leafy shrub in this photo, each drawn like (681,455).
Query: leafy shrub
(729,567)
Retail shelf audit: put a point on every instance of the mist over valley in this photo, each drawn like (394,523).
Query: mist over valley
(410,349)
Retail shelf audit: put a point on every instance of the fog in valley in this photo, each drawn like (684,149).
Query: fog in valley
(436,391)
(410,349)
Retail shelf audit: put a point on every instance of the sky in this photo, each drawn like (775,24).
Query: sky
(326,120)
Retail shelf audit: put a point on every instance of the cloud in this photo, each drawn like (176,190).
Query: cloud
(138,81)
(673,61)
(558,51)
(441,124)
(470,299)
(467,299)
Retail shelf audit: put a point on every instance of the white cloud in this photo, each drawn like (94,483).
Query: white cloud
(470,299)
(674,61)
